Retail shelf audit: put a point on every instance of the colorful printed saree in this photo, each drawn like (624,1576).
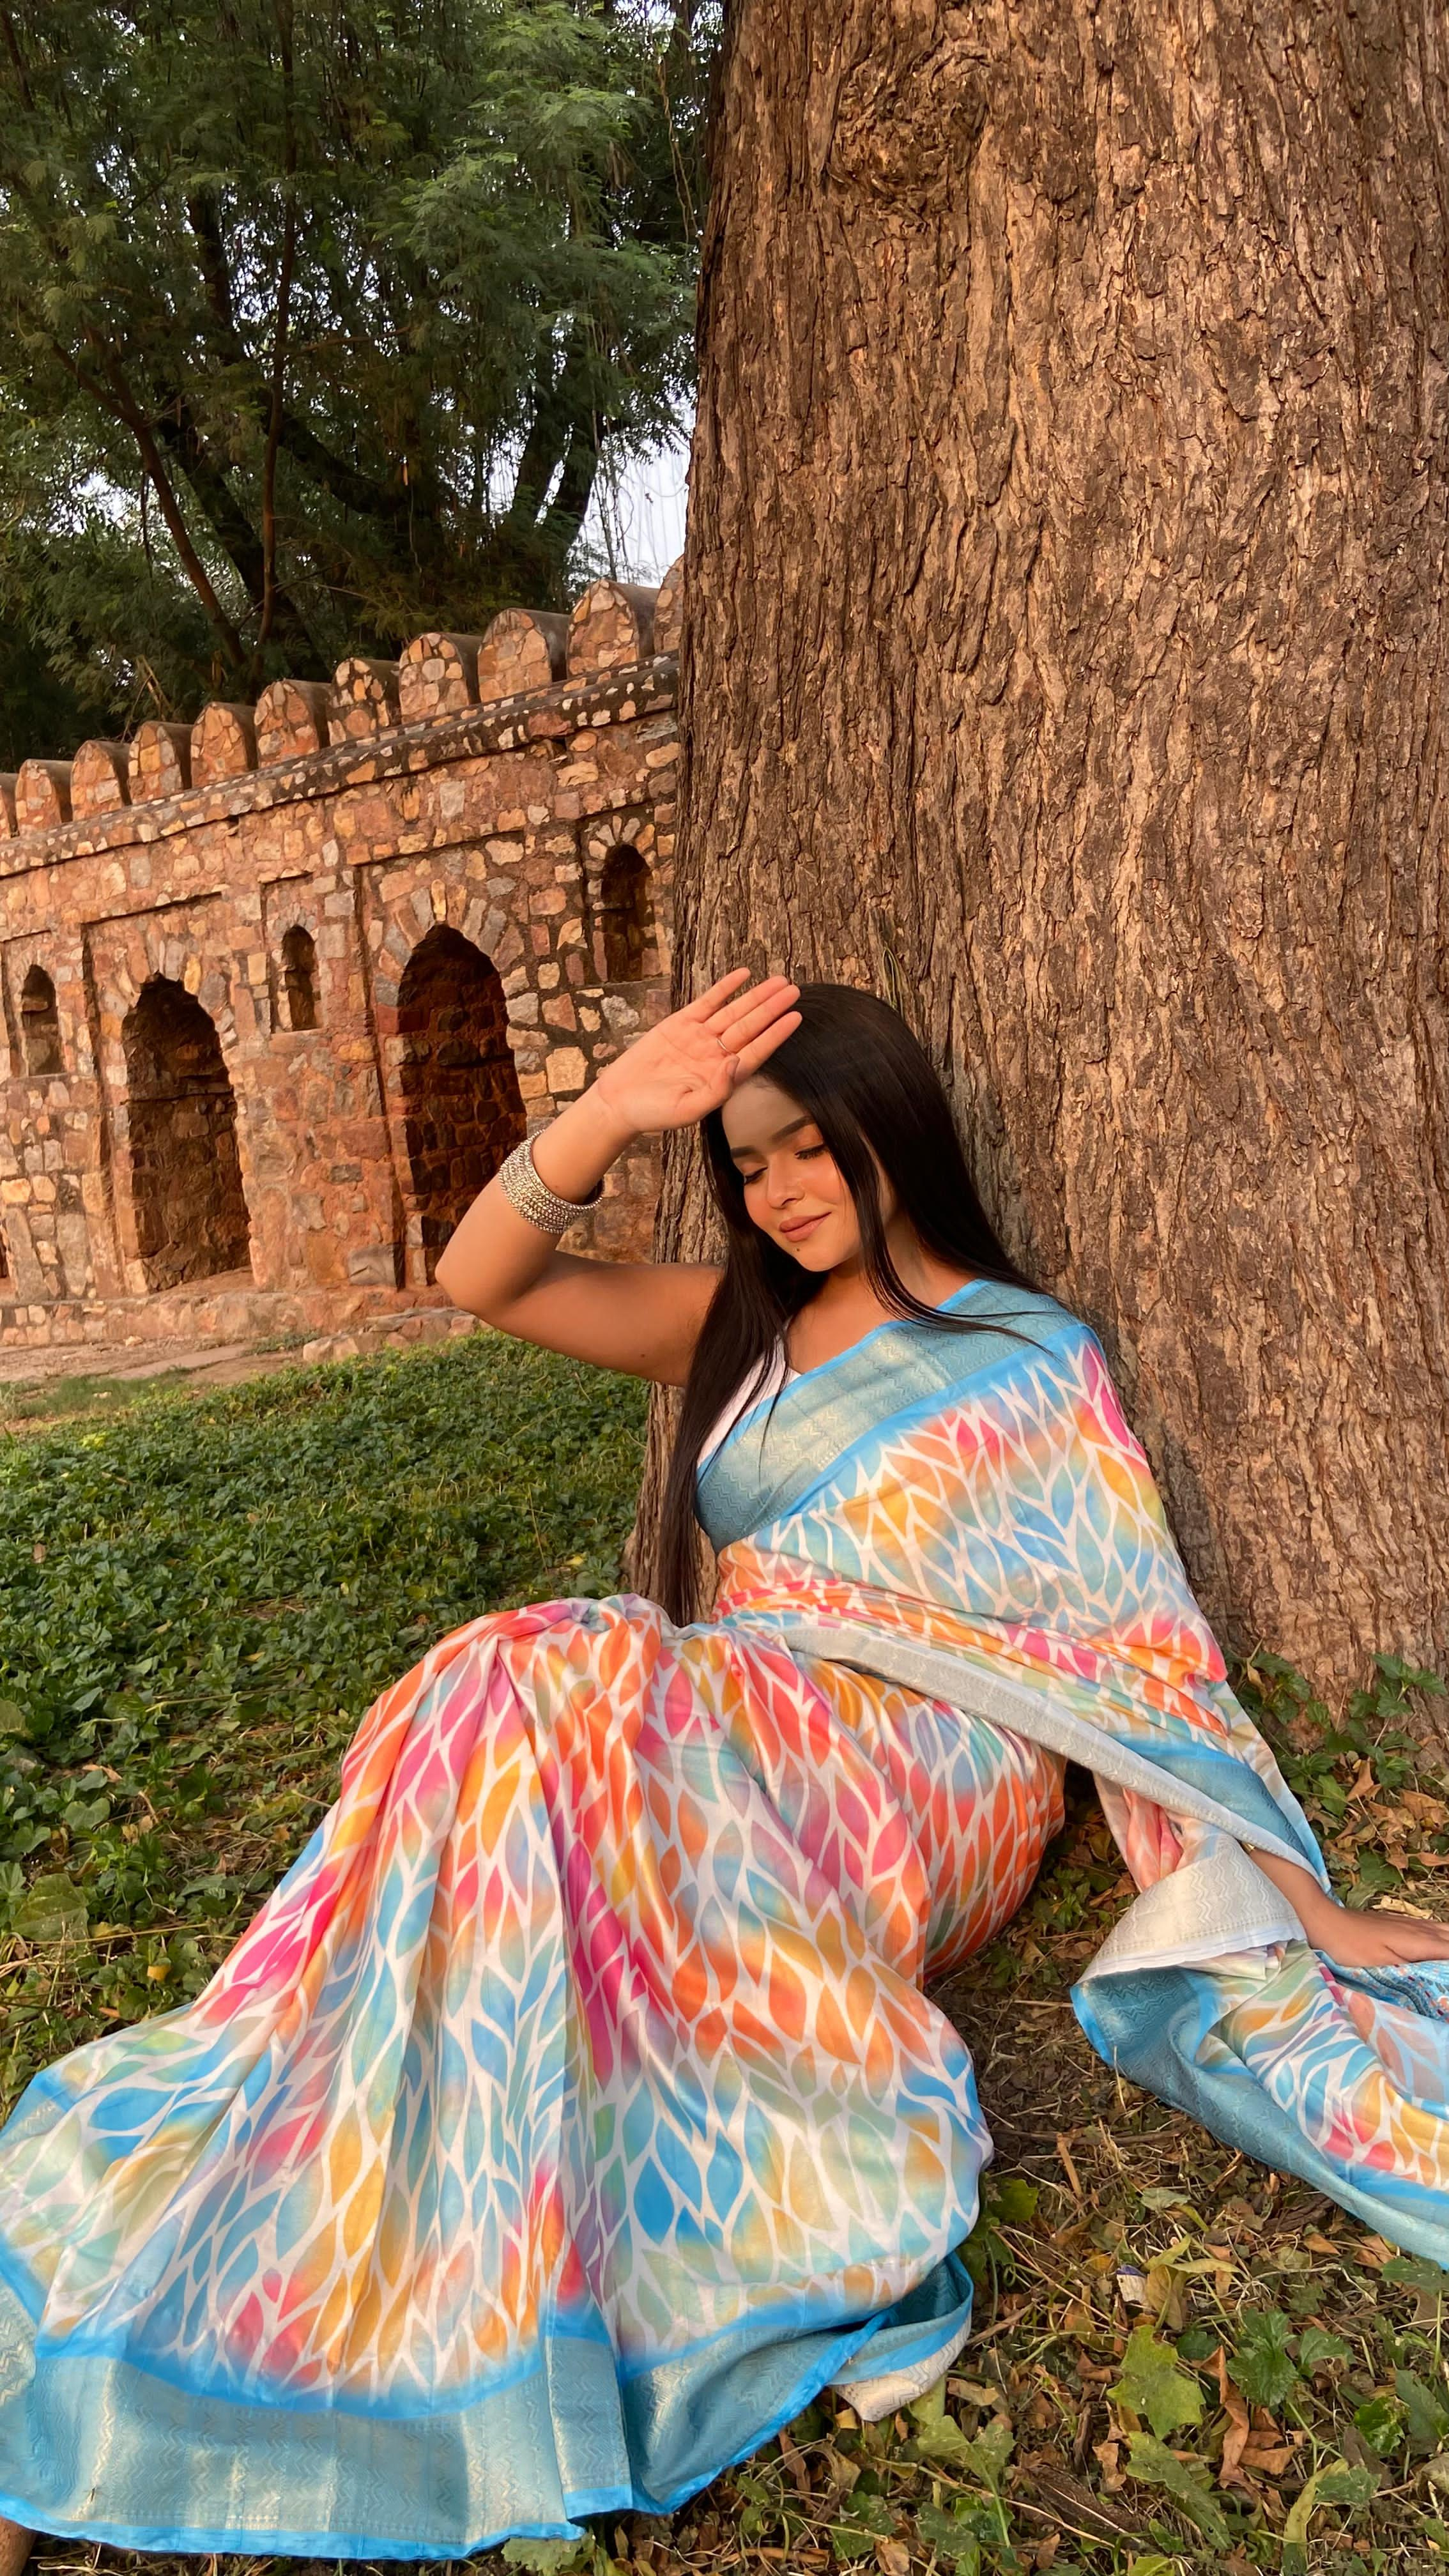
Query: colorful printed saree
(573,2112)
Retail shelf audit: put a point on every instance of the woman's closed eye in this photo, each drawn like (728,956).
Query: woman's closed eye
(802,1154)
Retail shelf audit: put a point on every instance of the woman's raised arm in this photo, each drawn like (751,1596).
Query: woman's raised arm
(641,1316)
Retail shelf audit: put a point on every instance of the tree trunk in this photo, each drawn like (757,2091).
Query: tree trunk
(1065,658)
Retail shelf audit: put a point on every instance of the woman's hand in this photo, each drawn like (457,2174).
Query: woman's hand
(1382,1939)
(639,1315)
(678,1072)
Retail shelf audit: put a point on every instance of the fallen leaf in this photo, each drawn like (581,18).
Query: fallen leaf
(797,2465)
(1108,2454)
(1164,2297)
(1268,2459)
(841,2473)
(975,2392)
(1235,2441)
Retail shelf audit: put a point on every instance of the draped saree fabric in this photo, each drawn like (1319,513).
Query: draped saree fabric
(574,2111)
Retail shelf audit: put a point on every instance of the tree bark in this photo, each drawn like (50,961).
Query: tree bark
(1066,658)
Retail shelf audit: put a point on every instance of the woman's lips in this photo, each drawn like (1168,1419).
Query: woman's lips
(802,1226)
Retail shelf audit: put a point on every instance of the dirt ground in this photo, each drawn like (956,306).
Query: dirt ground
(38,1388)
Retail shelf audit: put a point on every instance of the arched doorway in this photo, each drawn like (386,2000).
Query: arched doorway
(186,1185)
(463,1110)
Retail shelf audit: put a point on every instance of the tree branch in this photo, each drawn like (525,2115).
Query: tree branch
(355,490)
(558,411)
(12,47)
(215,271)
(114,395)
(279,338)
(576,484)
(174,517)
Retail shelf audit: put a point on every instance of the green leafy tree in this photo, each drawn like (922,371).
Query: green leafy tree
(318,317)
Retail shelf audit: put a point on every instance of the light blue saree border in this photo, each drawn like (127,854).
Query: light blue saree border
(808,1443)
(570,2434)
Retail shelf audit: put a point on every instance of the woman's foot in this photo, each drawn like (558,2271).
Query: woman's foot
(16,2544)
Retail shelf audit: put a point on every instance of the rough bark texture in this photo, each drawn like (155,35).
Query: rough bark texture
(1065,656)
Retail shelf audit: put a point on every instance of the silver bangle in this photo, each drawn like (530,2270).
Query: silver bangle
(536,1203)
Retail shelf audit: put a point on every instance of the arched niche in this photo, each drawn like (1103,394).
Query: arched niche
(462,1108)
(299,979)
(623,914)
(40,1024)
(186,1184)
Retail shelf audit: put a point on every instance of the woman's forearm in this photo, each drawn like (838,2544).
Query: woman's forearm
(1312,1904)
(578,1147)
(494,1255)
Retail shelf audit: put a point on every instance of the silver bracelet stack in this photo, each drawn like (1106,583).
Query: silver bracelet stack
(536,1203)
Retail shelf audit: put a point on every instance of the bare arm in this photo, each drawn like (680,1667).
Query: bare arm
(641,1316)
(1381,1939)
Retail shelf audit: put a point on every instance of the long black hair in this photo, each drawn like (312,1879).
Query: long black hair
(856,1069)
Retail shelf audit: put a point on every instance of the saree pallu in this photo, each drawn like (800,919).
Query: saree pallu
(574,2113)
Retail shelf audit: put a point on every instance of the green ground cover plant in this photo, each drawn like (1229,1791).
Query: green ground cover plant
(1181,2362)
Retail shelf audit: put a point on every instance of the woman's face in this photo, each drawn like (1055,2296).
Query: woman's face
(793,1191)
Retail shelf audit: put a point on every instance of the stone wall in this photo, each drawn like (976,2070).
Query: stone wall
(280,988)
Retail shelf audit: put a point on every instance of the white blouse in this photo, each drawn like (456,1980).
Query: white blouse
(780,1374)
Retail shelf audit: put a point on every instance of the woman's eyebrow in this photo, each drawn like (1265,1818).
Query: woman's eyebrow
(778,1138)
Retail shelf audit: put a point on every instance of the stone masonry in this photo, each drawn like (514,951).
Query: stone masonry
(280,988)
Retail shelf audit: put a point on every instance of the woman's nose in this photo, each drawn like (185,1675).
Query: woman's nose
(781,1185)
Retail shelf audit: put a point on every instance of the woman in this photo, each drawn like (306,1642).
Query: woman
(573,2112)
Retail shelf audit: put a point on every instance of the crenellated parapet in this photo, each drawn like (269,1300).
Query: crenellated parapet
(280,986)
(522,653)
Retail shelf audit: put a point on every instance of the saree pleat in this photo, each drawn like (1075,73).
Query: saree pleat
(573,2112)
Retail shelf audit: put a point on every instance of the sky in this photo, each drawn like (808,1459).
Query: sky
(635,521)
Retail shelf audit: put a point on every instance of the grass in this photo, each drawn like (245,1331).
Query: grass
(1181,2361)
